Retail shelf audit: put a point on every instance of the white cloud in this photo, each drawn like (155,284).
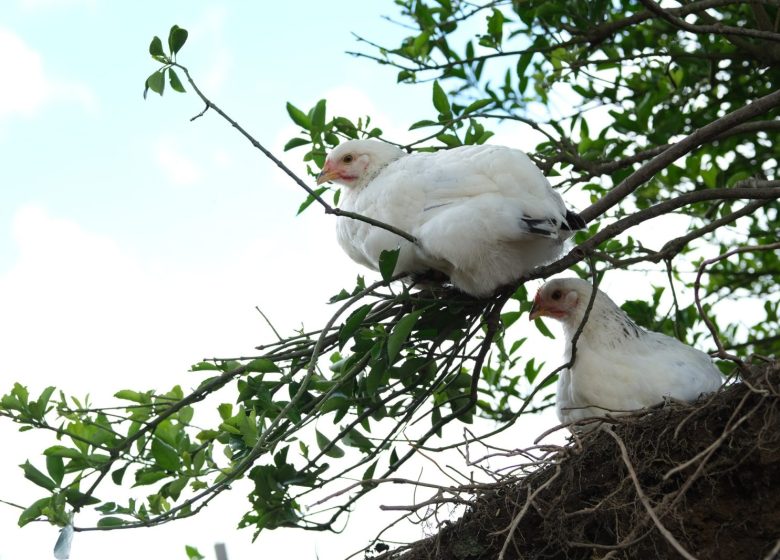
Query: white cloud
(28,87)
(178,167)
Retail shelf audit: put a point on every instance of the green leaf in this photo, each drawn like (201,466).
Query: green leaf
(323,442)
(225,410)
(477,105)
(148,477)
(496,25)
(34,475)
(175,82)
(400,333)
(155,82)
(422,124)
(295,143)
(33,512)
(110,522)
(352,323)
(43,401)
(337,401)
(176,38)
(56,468)
(387,261)
(204,366)
(62,451)
(310,199)
(543,328)
(166,456)
(193,553)
(262,365)
(118,475)
(440,100)
(134,396)
(156,49)
(354,438)
(299,117)
(318,116)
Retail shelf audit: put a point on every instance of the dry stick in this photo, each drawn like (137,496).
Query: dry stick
(328,208)
(774,554)
(717,28)
(675,151)
(645,502)
(529,500)
(707,451)
(673,247)
(697,285)
(580,251)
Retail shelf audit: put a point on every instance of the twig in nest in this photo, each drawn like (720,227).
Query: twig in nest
(645,502)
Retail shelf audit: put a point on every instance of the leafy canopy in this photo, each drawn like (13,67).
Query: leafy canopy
(666,110)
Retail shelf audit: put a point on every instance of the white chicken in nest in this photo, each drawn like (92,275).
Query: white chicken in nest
(618,365)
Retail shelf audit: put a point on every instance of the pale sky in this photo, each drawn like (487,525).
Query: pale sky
(134,243)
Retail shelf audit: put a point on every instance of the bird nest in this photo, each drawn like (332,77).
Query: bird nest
(692,481)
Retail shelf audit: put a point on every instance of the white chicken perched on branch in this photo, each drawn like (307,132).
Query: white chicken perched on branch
(482,215)
(618,365)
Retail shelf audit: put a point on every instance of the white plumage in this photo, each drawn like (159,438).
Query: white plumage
(482,215)
(619,366)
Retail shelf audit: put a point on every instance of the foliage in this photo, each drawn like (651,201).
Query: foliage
(665,116)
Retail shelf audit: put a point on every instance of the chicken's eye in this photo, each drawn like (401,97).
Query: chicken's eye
(348,158)
(556,294)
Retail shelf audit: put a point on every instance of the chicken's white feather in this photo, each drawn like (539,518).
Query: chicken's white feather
(483,215)
(618,366)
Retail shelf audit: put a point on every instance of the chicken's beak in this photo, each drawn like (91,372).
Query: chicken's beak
(328,173)
(536,309)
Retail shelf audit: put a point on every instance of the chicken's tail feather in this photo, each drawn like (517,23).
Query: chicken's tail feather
(573,221)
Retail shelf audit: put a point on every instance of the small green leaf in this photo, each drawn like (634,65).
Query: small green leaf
(352,323)
(56,468)
(62,451)
(155,48)
(166,456)
(110,522)
(43,401)
(387,261)
(175,82)
(323,442)
(477,105)
(318,116)
(128,395)
(336,402)
(311,198)
(422,124)
(176,38)
(34,475)
(118,475)
(400,333)
(262,365)
(204,366)
(440,100)
(148,477)
(295,143)
(33,512)
(155,82)
(193,553)
(299,117)
(225,410)
(543,328)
